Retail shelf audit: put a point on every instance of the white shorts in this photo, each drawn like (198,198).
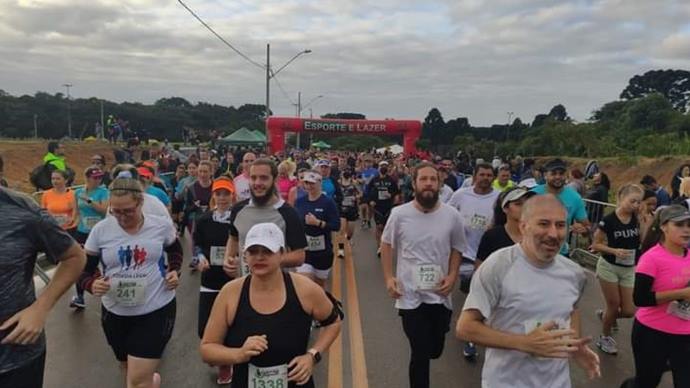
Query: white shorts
(319,273)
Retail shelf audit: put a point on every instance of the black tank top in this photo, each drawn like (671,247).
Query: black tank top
(287,331)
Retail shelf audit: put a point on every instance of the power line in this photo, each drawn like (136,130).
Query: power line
(285,94)
(257,64)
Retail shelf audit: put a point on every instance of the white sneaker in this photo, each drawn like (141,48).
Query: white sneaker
(607,344)
(341,253)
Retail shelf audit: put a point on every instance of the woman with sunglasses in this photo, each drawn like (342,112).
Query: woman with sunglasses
(92,204)
(136,284)
(661,331)
(210,236)
(261,323)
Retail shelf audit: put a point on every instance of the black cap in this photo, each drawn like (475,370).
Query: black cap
(555,164)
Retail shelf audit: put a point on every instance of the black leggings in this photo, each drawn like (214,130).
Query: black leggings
(655,351)
(425,328)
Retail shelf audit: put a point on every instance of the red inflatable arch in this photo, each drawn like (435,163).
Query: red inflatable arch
(278,126)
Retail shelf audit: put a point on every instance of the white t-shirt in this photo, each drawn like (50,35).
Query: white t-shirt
(424,239)
(477,212)
(242,187)
(514,296)
(135,264)
(445,194)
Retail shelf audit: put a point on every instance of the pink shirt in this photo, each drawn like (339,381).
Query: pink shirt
(284,186)
(670,272)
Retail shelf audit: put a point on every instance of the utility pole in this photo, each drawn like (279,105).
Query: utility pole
(268,94)
(510,116)
(69,111)
(299,114)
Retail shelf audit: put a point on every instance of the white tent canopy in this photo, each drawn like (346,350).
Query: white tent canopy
(395,149)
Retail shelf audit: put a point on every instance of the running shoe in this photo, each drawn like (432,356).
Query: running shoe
(77,302)
(378,253)
(470,351)
(341,253)
(600,314)
(607,344)
(224,375)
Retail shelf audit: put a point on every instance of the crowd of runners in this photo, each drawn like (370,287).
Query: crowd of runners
(264,231)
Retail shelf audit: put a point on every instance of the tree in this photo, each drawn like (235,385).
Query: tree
(672,84)
(559,113)
(344,116)
(173,102)
(433,127)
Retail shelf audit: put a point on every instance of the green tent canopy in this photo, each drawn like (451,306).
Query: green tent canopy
(320,144)
(242,136)
(259,134)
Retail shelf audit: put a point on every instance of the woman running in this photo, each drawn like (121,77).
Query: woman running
(137,286)
(661,331)
(286,181)
(646,214)
(210,236)
(506,229)
(92,203)
(617,238)
(60,202)
(349,207)
(261,322)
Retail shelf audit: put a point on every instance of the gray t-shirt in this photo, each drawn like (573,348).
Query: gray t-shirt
(515,296)
(422,242)
(25,230)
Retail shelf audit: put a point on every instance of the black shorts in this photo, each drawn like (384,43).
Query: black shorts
(27,376)
(206,300)
(321,262)
(80,237)
(143,336)
(381,216)
(349,214)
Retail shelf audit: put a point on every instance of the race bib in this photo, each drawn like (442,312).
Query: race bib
(90,222)
(129,292)
(561,324)
(348,201)
(244,267)
(268,377)
(316,243)
(427,276)
(384,195)
(679,309)
(628,260)
(62,219)
(217,256)
(478,221)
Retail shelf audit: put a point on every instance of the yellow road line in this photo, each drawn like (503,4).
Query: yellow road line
(358,360)
(335,353)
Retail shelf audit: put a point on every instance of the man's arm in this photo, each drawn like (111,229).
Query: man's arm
(30,321)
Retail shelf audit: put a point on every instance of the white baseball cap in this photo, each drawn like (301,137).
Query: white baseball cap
(313,177)
(267,235)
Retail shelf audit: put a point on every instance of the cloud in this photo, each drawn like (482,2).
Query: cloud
(390,58)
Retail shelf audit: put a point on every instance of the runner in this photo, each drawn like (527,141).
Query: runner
(151,205)
(92,204)
(503,181)
(138,315)
(661,330)
(647,209)
(506,225)
(446,191)
(210,237)
(320,217)
(523,306)
(555,184)
(383,193)
(261,323)
(198,199)
(617,238)
(297,191)
(60,202)
(368,172)
(286,180)
(476,207)
(329,185)
(242,180)
(662,197)
(146,175)
(98,160)
(264,206)
(348,208)
(25,231)
(427,237)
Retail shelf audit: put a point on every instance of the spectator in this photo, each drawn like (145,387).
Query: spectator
(683,197)
(600,193)
(662,197)
(577,181)
(56,156)
(682,172)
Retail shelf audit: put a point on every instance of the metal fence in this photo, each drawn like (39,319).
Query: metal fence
(580,244)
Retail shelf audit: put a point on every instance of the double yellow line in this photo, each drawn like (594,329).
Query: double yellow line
(354,323)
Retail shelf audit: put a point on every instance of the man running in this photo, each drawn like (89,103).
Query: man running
(383,193)
(571,200)
(25,231)
(242,181)
(476,207)
(263,206)
(523,306)
(428,239)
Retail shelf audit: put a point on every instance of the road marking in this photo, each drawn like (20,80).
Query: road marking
(357,358)
(335,353)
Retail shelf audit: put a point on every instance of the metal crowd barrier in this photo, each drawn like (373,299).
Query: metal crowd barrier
(580,244)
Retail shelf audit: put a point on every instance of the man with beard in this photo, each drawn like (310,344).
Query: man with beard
(428,239)
(523,306)
(476,207)
(571,200)
(265,205)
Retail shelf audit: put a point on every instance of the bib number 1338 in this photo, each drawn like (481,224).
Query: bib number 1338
(268,377)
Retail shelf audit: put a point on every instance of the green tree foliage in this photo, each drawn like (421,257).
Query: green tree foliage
(344,116)
(672,84)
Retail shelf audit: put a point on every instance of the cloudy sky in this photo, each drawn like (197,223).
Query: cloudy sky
(387,58)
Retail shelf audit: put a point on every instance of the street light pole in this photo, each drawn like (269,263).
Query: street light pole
(510,115)
(69,111)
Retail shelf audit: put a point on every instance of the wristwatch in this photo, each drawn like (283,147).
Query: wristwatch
(316,355)
(89,201)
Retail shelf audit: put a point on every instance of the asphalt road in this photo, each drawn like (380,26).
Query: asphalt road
(372,351)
